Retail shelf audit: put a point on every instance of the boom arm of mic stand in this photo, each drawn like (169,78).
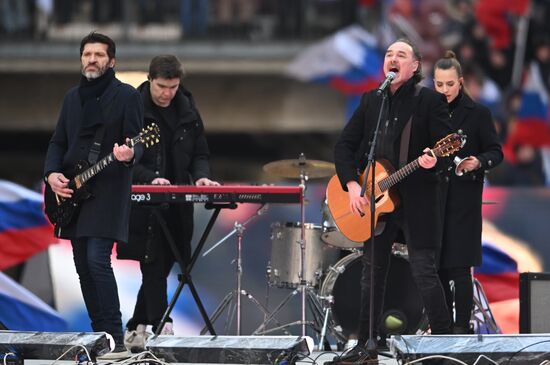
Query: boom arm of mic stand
(259,212)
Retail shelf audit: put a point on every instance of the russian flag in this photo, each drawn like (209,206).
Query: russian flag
(498,274)
(534,100)
(499,278)
(21,310)
(350,61)
(532,125)
(24,229)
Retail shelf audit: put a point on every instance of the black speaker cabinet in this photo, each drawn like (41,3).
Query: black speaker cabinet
(534,296)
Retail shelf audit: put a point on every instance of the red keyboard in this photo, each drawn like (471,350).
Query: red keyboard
(154,194)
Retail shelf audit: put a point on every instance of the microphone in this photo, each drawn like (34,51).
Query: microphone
(386,83)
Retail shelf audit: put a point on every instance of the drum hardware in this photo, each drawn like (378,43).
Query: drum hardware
(328,322)
(304,170)
(235,295)
(311,302)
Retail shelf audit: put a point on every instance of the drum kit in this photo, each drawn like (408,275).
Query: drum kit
(308,259)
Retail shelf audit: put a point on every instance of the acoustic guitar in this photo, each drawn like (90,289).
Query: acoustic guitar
(61,211)
(357,228)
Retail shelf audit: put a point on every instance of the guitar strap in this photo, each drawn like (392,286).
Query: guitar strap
(406,134)
(96,145)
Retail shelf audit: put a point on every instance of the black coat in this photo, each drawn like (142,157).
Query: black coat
(106,214)
(189,157)
(419,192)
(463,195)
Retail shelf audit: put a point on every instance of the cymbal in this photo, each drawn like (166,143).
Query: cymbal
(293,168)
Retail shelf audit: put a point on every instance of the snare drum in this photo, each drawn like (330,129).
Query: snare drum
(286,254)
(343,283)
(331,235)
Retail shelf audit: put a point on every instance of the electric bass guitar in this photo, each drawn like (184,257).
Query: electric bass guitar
(61,211)
(357,228)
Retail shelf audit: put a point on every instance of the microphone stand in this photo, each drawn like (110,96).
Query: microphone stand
(371,165)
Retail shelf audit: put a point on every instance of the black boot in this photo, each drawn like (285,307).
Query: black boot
(462,330)
(356,355)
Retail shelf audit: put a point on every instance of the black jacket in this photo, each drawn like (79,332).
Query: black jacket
(106,214)
(462,196)
(419,192)
(189,157)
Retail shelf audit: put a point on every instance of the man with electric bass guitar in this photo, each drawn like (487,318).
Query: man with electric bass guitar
(412,121)
(97,120)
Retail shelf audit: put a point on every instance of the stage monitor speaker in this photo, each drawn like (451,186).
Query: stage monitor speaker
(534,296)
(51,345)
(496,349)
(230,349)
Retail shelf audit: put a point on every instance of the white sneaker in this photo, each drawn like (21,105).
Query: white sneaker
(135,340)
(168,329)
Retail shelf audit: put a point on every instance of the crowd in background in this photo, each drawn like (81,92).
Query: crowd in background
(198,19)
(504,47)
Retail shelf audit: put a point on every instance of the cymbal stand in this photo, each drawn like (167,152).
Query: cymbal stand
(303,287)
(303,284)
(236,294)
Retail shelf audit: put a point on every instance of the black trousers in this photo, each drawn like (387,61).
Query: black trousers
(424,272)
(152,298)
(463,298)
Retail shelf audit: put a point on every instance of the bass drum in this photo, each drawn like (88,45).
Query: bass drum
(403,310)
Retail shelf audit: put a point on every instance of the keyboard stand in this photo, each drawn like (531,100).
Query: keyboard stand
(185,276)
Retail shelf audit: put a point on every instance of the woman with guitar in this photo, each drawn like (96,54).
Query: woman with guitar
(413,120)
(461,246)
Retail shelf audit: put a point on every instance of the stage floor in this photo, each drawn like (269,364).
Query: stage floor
(517,349)
(316,358)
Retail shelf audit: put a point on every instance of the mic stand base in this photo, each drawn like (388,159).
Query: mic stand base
(371,346)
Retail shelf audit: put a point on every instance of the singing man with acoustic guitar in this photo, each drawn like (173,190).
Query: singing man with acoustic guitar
(97,118)
(415,200)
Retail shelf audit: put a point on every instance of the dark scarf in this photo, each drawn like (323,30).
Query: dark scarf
(89,92)
(95,87)
(454,104)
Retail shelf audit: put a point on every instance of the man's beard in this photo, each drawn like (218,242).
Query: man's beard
(90,75)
